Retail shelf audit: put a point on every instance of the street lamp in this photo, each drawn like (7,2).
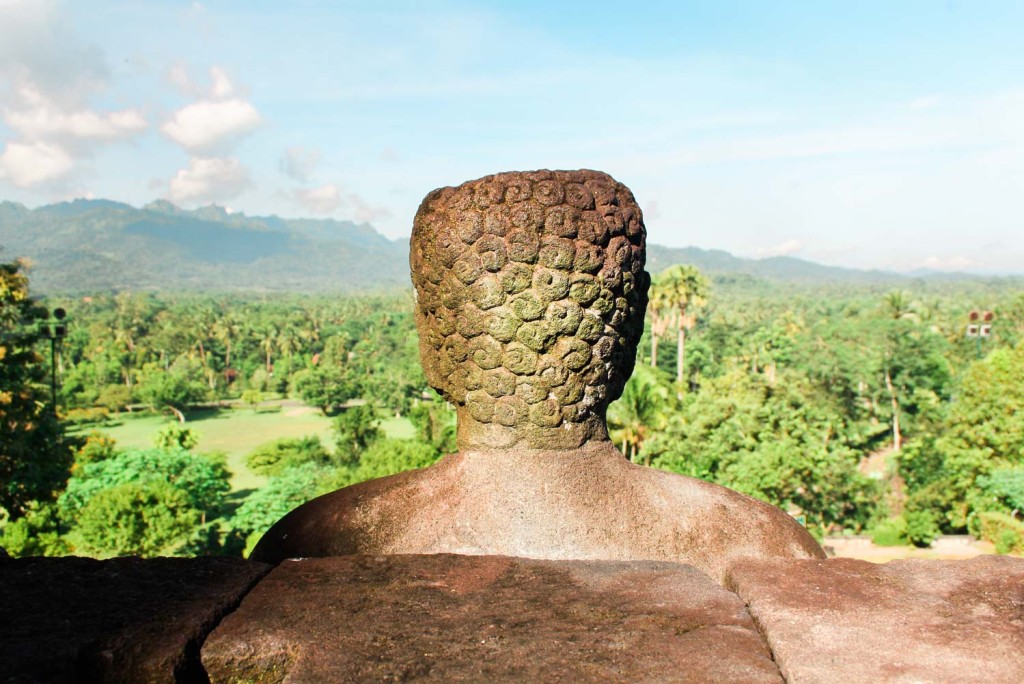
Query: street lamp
(55,329)
(979,326)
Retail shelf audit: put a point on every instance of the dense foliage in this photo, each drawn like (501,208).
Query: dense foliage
(855,408)
(34,457)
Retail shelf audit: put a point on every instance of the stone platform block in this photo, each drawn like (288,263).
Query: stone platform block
(120,620)
(486,618)
(904,621)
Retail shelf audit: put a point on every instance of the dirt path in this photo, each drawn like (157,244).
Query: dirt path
(946,548)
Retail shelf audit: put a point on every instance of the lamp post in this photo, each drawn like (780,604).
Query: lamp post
(979,326)
(56,330)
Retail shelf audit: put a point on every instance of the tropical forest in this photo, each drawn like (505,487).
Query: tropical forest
(186,422)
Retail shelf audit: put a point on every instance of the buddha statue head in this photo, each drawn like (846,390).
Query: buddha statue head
(530,300)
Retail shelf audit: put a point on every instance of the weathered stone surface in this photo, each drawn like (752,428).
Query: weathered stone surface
(904,621)
(120,620)
(486,618)
(587,503)
(531,293)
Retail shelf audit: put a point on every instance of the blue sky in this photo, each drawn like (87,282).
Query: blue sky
(865,134)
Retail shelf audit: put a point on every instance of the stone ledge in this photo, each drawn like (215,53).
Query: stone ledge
(487,618)
(906,621)
(119,620)
(498,618)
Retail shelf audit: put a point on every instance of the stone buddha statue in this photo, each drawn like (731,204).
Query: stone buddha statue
(530,300)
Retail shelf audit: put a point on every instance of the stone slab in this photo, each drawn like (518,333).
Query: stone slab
(486,618)
(118,620)
(904,621)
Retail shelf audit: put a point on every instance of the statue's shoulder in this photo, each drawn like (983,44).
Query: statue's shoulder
(360,518)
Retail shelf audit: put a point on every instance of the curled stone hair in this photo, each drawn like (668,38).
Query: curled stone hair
(530,300)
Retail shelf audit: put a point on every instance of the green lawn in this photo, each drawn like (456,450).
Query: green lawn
(236,432)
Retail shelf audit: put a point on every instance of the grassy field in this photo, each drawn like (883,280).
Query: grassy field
(236,432)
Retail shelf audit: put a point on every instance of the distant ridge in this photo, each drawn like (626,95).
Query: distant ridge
(96,245)
(786,268)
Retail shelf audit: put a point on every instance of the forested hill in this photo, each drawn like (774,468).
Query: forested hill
(95,245)
(91,245)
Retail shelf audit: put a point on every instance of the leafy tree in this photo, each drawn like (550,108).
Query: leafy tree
(390,456)
(983,433)
(435,424)
(34,458)
(783,443)
(114,397)
(289,488)
(355,428)
(174,389)
(275,457)
(203,479)
(640,412)
(38,533)
(150,518)
(1005,488)
(325,386)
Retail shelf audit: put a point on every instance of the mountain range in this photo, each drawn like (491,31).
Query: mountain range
(98,245)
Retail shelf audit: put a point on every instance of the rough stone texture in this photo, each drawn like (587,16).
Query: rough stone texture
(905,621)
(531,295)
(588,503)
(120,620)
(486,618)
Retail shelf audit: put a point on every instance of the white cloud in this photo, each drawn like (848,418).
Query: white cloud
(791,246)
(208,180)
(42,119)
(330,198)
(299,163)
(51,76)
(28,164)
(323,200)
(221,87)
(361,210)
(208,124)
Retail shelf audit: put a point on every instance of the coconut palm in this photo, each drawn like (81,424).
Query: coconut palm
(659,313)
(641,411)
(686,289)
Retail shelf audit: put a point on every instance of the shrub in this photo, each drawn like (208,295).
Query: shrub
(145,519)
(1003,530)
(389,456)
(275,457)
(36,534)
(85,416)
(176,435)
(96,447)
(922,527)
(891,532)
(114,397)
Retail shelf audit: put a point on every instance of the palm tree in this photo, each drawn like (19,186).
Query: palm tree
(898,305)
(659,310)
(687,290)
(640,411)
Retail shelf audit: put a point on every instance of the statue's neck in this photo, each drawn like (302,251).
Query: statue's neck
(474,435)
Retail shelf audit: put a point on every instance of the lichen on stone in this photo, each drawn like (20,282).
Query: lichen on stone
(531,293)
